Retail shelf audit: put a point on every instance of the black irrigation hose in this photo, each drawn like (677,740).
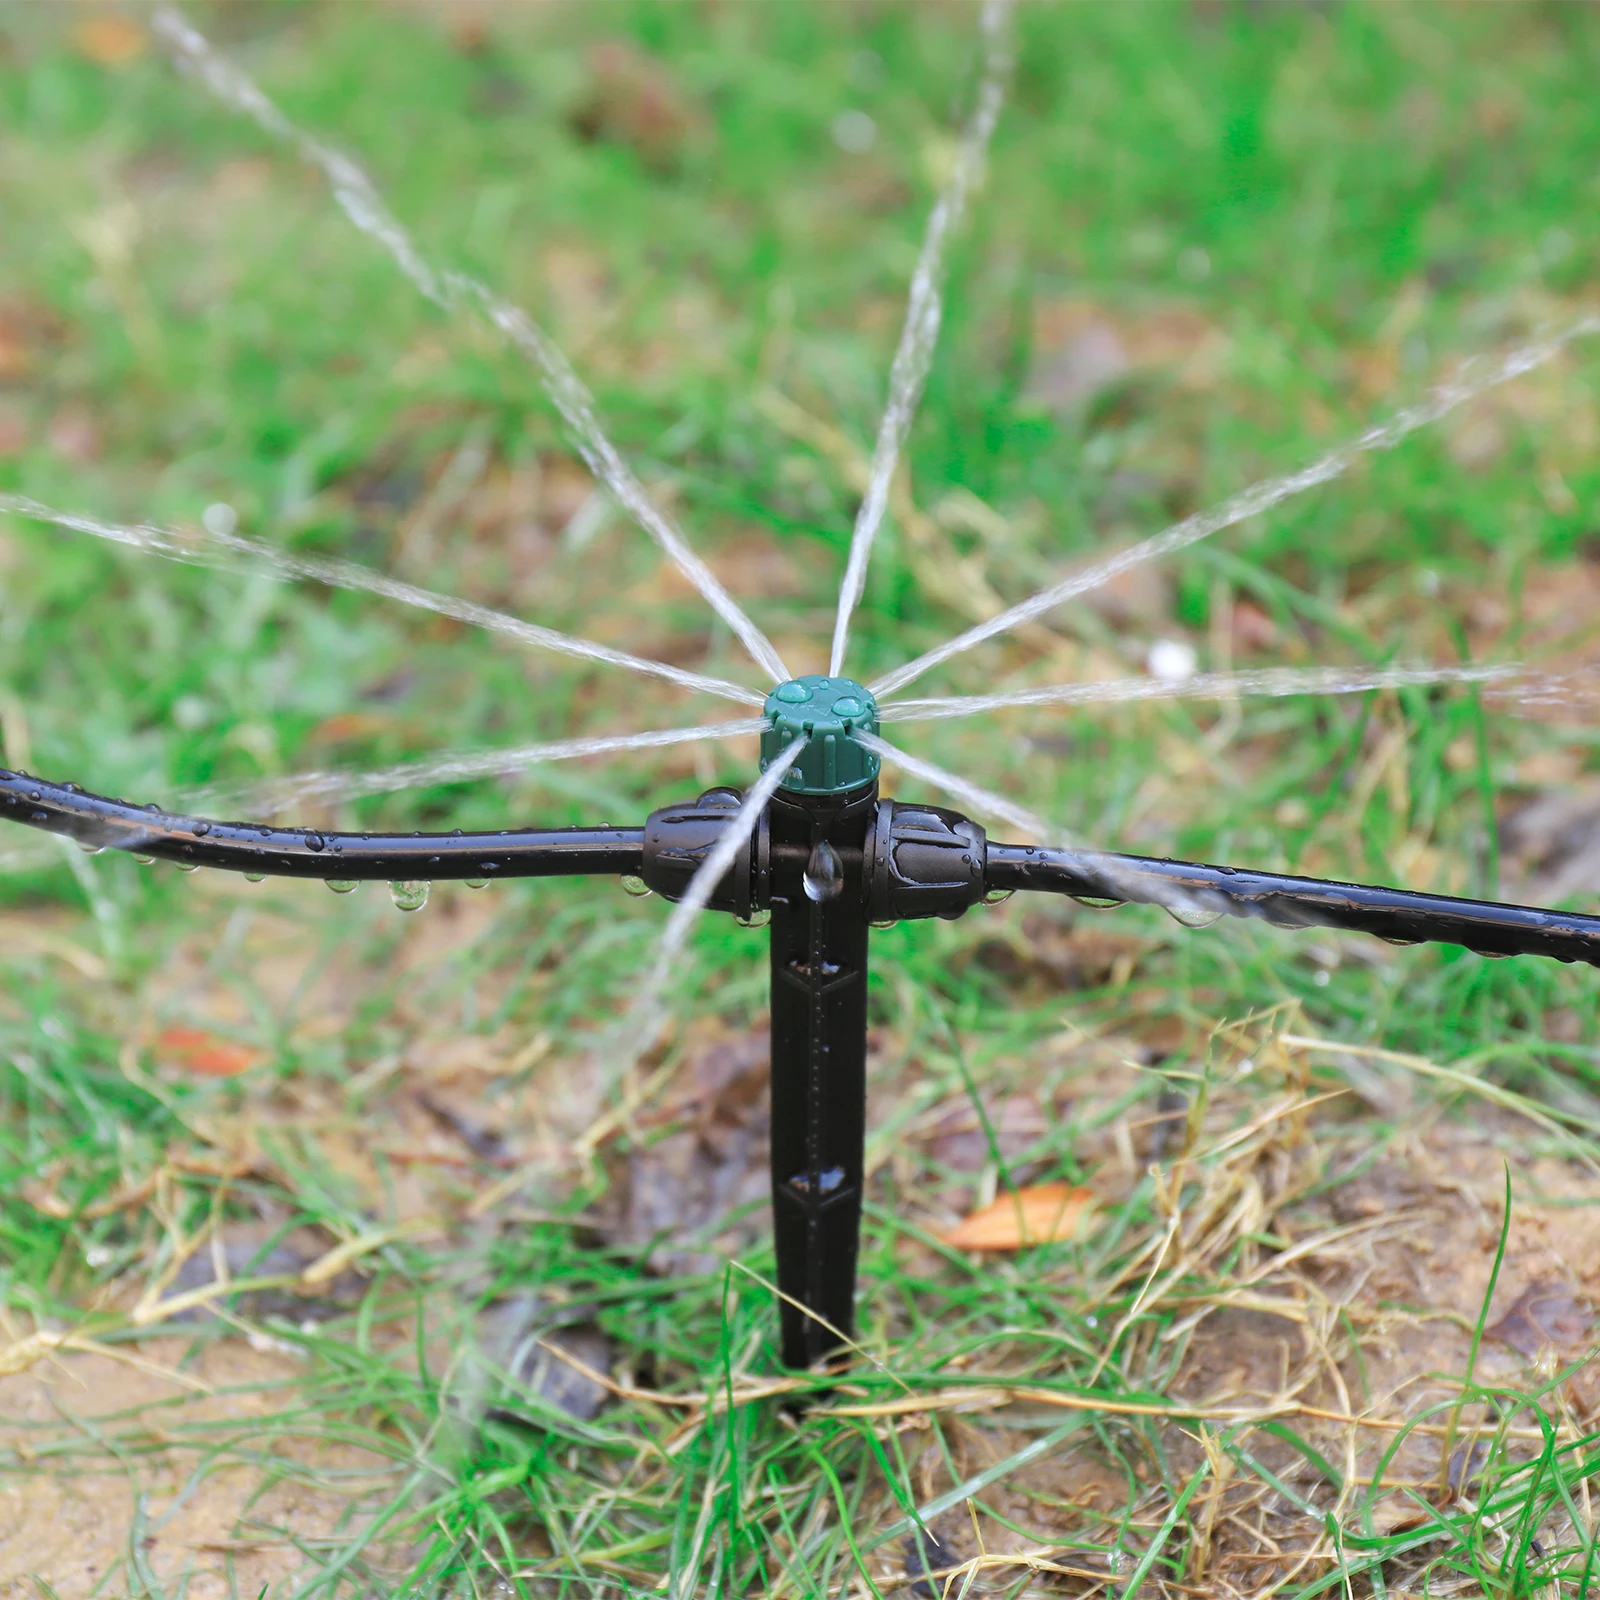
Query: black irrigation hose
(1398,915)
(254,848)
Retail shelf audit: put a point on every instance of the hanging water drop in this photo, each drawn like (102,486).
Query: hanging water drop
(887,922)
(145,861)
(1402,944)
(993,897)
(187,866)
(758,918)
(477,883)
(1193,916)
(409,894)
(1097,902)
(633,884)
(90,848)
(824,874)
(255,877)
(346,886)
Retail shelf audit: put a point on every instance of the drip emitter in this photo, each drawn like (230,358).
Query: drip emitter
(823,863)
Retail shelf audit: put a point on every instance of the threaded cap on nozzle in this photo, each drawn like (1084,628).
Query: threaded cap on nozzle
(825,712)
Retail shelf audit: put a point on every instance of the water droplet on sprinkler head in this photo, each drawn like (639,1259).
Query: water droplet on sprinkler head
(409,895)
(477,883)
(342,885)
(758,918)
(633,884)
(993,897)
(824,874)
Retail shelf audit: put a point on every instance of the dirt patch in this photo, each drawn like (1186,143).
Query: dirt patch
(218,1485)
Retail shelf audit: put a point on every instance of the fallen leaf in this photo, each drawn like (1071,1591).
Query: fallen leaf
(931,1561)
(344,726)
(1252,629)
(1545,1314)
(635,99)
(109,41)
(205,1054)
(701,1170)
(959,1142)
(1397,1512)
(1036,1215)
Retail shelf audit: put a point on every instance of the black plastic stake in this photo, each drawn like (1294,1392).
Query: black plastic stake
(819,1063)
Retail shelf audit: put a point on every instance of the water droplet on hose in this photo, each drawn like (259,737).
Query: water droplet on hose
(145,861)
(824,874)
(187,866)
(409,895)
(345,886)
(201,829)
(993,897)
(633,884)
(255,877)
(1097,902)
(1403,944)
(1193,916)
(314,841)
(758,918)
(89,847)
(887,922)
(477,883)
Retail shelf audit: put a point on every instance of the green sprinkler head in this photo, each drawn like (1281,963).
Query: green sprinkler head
(825,712)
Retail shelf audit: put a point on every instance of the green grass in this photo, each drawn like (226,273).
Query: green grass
(1349,197)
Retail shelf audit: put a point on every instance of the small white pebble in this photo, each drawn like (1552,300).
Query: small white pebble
(220,518)
(1171,660)
(265,1343)
(854,132)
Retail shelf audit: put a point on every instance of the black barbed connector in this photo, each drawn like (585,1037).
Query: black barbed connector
(678,838)
(922,861)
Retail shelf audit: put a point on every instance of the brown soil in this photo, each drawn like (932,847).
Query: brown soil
(231,1524)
